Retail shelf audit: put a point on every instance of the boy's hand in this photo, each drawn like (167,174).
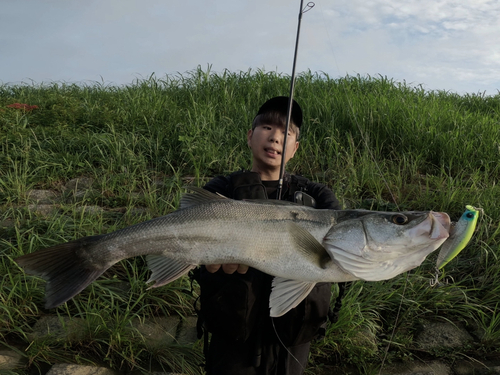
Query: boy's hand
(227,268)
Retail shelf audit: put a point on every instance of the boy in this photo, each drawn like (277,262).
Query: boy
(235,298)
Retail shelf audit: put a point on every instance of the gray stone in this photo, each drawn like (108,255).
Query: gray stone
(464,367)
(155,373)
(7,223)
(417,368)
(136,196)
(79,184)
(79,188)
(43,196)
(187,334)
(158,332)
(43,209)
(89,209)
(71,369)
(10,360)
(436,335)
(58,328)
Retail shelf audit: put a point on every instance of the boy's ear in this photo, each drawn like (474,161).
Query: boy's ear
(249,137)
(296,148)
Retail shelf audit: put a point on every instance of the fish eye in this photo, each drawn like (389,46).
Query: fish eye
(399,219)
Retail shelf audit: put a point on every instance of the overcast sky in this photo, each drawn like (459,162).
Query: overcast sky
(439,44)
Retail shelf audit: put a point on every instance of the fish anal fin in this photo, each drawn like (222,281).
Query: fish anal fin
(287,294)
(165,270)
(307,244)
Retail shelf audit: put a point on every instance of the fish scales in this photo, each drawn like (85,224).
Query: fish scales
(219,229)
(299,245)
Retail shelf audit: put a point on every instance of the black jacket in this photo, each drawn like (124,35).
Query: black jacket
(235,308)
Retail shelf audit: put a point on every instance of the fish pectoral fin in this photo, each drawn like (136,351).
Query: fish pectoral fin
(198,196)
(165,270)
(308,245)
(287,294)
(373,270)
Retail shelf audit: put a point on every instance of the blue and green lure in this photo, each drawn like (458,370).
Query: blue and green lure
(460,235)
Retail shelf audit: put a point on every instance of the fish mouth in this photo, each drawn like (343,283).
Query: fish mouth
(440,225)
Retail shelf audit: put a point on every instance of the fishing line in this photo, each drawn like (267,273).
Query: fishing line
(302,10)
(284,346)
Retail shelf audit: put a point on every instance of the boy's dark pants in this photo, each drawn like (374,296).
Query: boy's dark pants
(240,334)
(230,358)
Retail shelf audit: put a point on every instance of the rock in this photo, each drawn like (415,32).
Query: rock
(71,369)
(79,184)
(164,331)
(187,333)
(79,188)
(436,335)
(43,196)
(463,367)
(10,360)
(58,328)
(417,368)
(158,332)
(7,223)
(89,209)
(43,209)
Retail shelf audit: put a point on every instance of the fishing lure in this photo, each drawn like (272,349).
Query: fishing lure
(460,236)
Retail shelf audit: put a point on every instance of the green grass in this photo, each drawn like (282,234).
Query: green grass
(377,143)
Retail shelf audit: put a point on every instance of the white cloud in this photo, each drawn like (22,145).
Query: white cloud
(444,44)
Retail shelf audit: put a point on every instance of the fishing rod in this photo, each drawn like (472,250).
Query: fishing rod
(302,10)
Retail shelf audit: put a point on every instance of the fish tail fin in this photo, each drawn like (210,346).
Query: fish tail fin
(65,269)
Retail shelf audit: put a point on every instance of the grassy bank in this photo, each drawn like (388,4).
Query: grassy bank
(377,143)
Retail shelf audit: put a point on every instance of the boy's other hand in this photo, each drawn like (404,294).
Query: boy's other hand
(227,268)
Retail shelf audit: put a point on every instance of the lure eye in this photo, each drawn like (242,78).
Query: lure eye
(469,215)
(399,219)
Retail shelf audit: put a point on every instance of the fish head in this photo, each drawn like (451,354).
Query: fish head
(380,245)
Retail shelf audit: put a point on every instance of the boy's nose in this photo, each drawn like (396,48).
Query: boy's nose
(276,136)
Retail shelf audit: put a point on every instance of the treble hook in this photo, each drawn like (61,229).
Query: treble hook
(308,7)
(435,281)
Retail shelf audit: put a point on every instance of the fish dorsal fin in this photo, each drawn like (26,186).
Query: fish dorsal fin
(307,244)
(165,270)
(287,294)
(198,196)
(272,202)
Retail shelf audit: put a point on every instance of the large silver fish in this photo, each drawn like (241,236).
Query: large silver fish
(299,245)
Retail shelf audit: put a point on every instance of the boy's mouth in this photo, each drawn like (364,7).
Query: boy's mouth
(272,151)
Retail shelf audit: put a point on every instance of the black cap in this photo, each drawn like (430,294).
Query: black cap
(280,104)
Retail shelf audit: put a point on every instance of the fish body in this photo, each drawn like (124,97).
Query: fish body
(299,245)
(460,235)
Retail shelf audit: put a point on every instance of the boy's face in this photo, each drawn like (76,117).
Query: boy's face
(266,142)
